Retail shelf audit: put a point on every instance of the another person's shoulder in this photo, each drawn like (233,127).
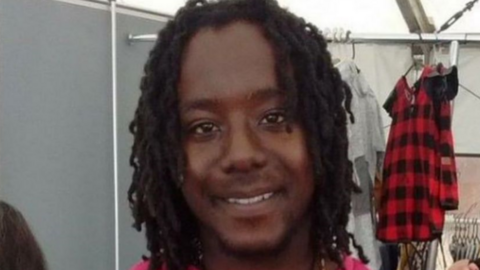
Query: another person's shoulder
(466,265)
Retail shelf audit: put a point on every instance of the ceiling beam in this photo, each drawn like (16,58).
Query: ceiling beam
(417,21)
(415,16)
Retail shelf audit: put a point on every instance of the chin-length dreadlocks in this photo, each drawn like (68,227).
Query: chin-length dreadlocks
(315,93)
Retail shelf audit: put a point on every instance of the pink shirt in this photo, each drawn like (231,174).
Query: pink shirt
(350,264)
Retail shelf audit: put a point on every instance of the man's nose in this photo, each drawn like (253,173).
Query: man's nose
(243,152)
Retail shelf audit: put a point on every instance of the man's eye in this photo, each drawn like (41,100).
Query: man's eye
(273,118)
(204,128)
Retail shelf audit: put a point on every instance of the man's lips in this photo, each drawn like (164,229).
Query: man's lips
(251,200)
(249,197)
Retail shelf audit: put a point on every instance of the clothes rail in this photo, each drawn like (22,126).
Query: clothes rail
(127,7)
(372,38)
(414,38)
(468,220)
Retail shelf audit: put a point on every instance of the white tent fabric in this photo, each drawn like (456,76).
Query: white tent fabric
(442,10)
(466,123)
(366,16)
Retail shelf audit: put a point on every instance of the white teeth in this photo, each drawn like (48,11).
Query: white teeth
(252,200)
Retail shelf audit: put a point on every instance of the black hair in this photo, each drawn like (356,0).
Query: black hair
(315,93)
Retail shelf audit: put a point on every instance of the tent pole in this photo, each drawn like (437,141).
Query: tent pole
(373,38)
(113,17)
(433,246)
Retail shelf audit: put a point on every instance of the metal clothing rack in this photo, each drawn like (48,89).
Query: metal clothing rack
(414,38)
(450,219)
(372,38)
(462,232)
(433,247)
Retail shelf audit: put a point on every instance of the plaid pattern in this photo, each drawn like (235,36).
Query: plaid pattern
(447,166)
(448,172)
(419,185)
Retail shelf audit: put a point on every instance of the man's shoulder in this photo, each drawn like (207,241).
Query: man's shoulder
(354,264)
(143,265)
(350,264)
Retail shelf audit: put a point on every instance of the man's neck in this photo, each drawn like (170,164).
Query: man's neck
(296,255)
(280,262)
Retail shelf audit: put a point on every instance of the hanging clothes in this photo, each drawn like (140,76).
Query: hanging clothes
(366,136)
(419,168)
(390,256)
(465,242)
(442,85)
(366,148)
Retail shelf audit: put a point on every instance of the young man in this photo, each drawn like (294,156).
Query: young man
(240,153)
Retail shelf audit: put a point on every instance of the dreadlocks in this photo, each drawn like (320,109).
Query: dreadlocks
(315,93)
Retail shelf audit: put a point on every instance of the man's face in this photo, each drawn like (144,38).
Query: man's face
(248,178)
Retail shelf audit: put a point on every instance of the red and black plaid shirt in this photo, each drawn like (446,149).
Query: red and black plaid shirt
(448,172)
(419,169)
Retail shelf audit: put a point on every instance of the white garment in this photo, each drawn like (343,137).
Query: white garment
(367,145)
(366,135)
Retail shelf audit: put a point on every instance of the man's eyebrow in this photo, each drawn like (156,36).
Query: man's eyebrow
(207,104)
(199,104)
(265,94)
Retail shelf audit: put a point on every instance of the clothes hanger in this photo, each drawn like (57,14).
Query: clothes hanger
(436,49)
(454,243)
(347,39)
(353,50)
(470,243)
(416,63)
(461,238)
(474,240)
(413,62)
(353,55)
(464,253)
(465,238)
(477,237)
(329,35)
(465,229)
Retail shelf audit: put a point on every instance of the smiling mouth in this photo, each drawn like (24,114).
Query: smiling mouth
(250,200)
